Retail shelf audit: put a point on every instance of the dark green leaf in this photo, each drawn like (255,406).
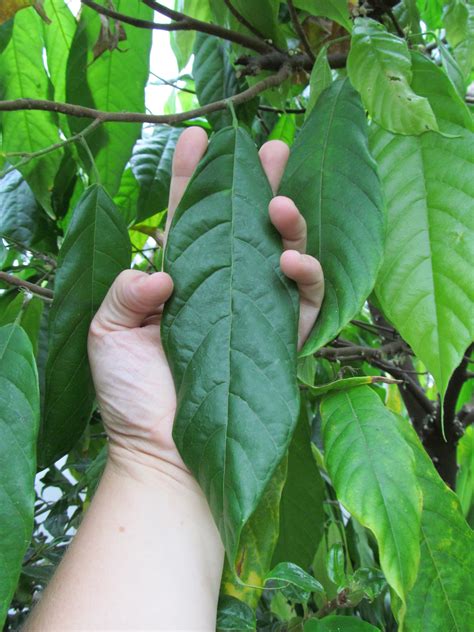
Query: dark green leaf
(6,30)
(236,414)
(21,217)
(288,573)
(24,76)
(151,166)
(443,595)
(100,83)
(342,205)
(95,250)
(379,66)
(19,416)
(372,469)
(369,582)
(302,513)
(126,198)
(424,286)
(28,312)
(234,616)
(336,623)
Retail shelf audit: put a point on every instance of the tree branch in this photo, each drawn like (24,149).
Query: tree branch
(253,65)
(137,117)
(11,279)
(299,30)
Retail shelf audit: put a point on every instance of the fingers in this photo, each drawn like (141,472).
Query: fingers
(289,223)
(133,297)
(306,271)
(274,156)
(190,148)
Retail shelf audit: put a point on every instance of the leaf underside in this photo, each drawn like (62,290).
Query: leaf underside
(229,332)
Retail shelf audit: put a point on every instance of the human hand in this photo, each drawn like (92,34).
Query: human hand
(134,385)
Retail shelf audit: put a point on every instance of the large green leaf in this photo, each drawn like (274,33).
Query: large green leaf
(95,250)
(302,514)
(151,166)
(259,536)
(337,10)
(100,83)
(58,38)
(424,286)
(332,178)
(372,469)
(19,416)
(379,66)
(443,595)
(229,331)
(24,76)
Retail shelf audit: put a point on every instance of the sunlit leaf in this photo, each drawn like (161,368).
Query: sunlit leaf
(379,67)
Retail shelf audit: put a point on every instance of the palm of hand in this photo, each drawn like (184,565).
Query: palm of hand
(133,381)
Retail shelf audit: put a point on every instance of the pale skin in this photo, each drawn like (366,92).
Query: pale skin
(147,555)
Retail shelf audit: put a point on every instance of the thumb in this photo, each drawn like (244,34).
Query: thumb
(133,297)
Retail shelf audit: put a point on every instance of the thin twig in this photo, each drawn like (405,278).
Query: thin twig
(11,279)
(299,30)
(181,23)
(165,82)
(268,108)
(37,154)
(138,117)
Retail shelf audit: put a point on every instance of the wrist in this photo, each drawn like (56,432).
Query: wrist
(150,470)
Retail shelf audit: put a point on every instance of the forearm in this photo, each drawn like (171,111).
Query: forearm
(147,537)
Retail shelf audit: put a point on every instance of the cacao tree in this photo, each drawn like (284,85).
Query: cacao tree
(341,477)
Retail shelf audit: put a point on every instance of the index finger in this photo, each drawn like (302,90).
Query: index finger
(190,148)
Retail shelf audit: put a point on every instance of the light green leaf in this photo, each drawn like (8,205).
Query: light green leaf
(284,129)
(151,166)
(342,205)
(431,11)
(126,198)
(346,383)
(58,38)
(465,475)
(336,564)
(337,10)
(100,83)
(96,248)
(464,51)
(259,536)
(234,616)
(320,79)
(265,20)
(452,69)
(408,17)
(302,514)
(19,417)
(236,414)
(424,285)
(443,595)
(379,67)
(336,623)
(372,469)
(456,21)
(24,76)
(182,42)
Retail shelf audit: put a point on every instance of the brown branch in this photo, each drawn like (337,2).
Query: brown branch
(253,65)
(137,117)
(269,108)
(299,29)
(340,601)
(11,279)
